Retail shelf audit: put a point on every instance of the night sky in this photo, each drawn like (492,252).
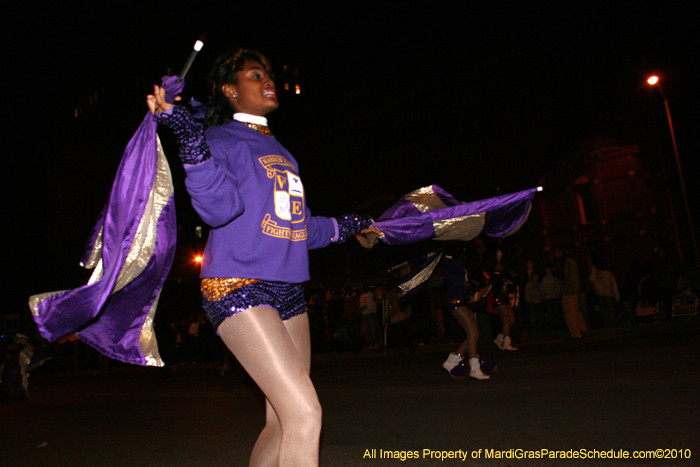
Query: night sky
(477,97)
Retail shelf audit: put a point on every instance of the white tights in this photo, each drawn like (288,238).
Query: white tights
(277,355)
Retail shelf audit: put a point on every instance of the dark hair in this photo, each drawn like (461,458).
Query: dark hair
(224,72)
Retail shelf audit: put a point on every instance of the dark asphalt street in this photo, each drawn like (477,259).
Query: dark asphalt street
(631,390)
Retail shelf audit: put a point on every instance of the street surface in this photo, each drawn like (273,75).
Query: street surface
(624,390)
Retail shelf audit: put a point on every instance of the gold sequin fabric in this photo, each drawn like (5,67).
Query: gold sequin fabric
(214,289)
(262,129)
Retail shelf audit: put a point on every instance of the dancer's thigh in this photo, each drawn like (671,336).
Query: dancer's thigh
(464,316)
(299,332)
(260,341)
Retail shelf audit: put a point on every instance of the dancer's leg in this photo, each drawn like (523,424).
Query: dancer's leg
(506,314)
(266,450)
(266,348)
(465,317)
(299,331)
(503,340)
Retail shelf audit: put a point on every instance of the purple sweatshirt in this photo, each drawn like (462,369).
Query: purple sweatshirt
(251,195)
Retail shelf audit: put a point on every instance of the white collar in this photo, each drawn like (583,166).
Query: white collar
(248,118)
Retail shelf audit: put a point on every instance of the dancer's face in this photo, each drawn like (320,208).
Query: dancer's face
(255,91)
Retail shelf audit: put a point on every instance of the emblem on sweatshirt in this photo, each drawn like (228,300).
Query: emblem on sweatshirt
(289,218)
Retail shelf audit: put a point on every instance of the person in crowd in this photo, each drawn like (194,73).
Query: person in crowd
(534,297)
(368,308)
(665,278)
(399,314)
(336,336)
(353,317)
(421,305)
(607,294)
(551,293)
(570,285)
(529,270)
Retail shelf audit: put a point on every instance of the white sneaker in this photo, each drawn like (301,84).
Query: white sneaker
(499,341)
(476,372)
(455,366)
(452,361)
(506,344)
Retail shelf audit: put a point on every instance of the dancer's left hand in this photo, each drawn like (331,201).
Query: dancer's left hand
(156,101)
(372,229)
(369,237)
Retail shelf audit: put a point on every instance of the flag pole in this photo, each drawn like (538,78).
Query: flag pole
(195,50)
(177,83)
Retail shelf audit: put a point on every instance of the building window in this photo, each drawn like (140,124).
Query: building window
(297,89)
(286,86)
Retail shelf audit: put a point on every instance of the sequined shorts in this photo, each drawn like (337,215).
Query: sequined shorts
(287,299)
(457,303)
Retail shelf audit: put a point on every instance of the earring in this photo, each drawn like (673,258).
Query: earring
(234,96)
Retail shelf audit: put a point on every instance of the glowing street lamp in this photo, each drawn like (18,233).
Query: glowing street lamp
(654,81)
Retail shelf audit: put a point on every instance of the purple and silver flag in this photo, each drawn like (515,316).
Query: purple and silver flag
(131,251)
(432,213)
(419,271)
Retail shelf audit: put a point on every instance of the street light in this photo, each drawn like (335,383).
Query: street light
(654,81)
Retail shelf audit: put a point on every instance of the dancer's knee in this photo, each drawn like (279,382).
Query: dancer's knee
(307,418)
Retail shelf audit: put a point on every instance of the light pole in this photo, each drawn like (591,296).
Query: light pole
(654,81)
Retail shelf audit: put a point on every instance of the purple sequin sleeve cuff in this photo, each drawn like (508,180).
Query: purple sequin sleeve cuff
(189,134)
(350,224)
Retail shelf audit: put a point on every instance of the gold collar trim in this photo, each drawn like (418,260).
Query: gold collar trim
(262,129)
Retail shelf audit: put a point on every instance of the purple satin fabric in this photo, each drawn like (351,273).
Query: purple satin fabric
(173,86)
(112,322)
(405,208)
(117,332)
(403,224)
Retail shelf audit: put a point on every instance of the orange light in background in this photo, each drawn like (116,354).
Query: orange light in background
(653,80)
(197,259)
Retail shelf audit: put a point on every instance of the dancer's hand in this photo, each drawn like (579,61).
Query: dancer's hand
(369,237)
(372,229)
(156,101)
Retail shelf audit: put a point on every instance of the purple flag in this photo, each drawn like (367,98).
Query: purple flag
(431,212)
(420,270)
(131,251)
